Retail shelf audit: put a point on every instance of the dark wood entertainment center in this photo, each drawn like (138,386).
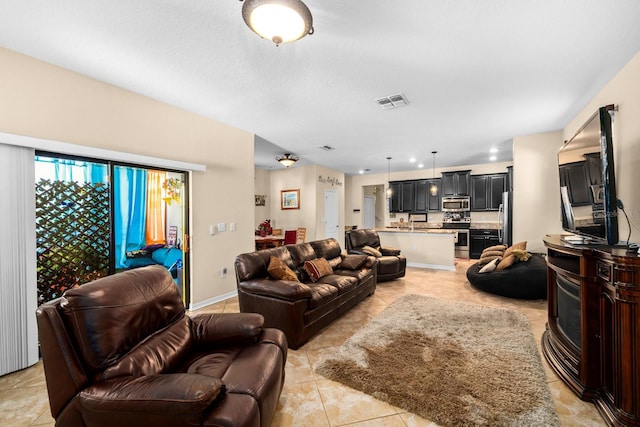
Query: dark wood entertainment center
(592,339)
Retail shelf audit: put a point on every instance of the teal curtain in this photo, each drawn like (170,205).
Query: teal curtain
(130,204)
(68,170)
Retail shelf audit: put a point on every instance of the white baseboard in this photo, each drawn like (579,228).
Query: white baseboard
(202,304)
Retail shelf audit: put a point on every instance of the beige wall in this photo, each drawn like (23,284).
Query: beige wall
(624,91)
(262,184)
(536,194)
(535,159)
(311,212)
(44,101)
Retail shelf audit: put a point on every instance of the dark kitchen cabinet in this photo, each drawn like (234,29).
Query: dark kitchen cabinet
(481,239)
(486,191)
(575,176)
(457,183)
(425,201)
(402,196)
(434,203)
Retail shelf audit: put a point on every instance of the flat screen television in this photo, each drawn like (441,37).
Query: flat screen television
(588,184)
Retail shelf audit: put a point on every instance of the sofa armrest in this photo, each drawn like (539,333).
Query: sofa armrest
(389,251)
(161,395)
(226,328)
(279,289)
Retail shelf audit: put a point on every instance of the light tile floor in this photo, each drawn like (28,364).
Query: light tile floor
(308,399)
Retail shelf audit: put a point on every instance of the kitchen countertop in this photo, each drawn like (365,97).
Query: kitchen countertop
(424,227)
(418,230)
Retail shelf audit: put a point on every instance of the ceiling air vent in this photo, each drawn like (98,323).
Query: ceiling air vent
(392,101)
(326,148)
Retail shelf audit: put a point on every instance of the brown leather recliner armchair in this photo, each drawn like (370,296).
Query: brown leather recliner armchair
(121,351)
(391,265)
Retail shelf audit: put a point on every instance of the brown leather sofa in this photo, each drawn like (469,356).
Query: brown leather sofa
(391,265)
(121,351)
(301,309)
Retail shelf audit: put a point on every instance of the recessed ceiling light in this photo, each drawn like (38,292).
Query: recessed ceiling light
(493,158)
(360,171)
(420,165)
(412,160)
(493,150)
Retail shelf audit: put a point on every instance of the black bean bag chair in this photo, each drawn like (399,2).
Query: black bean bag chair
(523,280)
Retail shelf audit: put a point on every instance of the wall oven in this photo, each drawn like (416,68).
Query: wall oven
(455,204)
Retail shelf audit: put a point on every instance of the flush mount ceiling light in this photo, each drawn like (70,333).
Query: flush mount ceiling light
(280,21)
(287,160)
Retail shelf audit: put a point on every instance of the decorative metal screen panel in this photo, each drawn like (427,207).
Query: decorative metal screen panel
(72,229)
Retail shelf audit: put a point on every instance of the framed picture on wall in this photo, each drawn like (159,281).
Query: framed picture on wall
(290,199)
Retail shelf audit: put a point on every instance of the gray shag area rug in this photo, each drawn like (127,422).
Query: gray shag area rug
(456,364)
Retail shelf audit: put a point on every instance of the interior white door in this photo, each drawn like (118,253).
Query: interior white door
(331,214)
(369,206)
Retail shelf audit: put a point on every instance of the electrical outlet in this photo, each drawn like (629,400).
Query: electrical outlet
(223,272)
(232,226)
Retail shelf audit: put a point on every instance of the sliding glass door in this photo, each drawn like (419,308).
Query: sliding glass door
(97,218)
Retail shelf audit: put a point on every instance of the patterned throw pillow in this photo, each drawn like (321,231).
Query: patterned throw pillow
(318,268)
(371,251)
(279,270)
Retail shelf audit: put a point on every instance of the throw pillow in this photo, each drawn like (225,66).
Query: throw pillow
(486,253)
(519,245)
(521,255)
(506,262)
(371,251)
(318,268)
(487,259)
(500,248)
(279,270)
(353,262)
(490,266)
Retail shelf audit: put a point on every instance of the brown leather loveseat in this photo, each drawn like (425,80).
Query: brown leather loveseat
(121,351)
(391,265)
(303,306)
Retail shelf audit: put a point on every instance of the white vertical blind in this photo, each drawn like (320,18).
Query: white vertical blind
(18,292)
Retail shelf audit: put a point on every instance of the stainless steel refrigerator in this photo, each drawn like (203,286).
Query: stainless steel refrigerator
(505,218)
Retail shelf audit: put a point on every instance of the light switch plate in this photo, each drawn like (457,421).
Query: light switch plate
(222,227)
(232,226)
(212,229)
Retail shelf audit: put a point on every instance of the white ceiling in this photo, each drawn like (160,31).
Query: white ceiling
(475,73)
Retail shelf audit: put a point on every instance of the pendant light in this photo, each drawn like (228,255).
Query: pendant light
(389,191)
(433,189)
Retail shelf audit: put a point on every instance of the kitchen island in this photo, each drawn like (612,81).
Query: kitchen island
(423,248)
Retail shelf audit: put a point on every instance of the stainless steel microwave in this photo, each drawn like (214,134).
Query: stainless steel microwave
(455,204)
